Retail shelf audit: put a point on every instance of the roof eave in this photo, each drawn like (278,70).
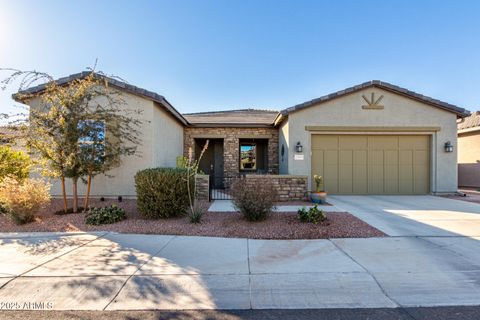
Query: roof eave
(230,125)
(460,112)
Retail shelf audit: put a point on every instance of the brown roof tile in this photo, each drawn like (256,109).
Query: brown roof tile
(242,117)
(470,122)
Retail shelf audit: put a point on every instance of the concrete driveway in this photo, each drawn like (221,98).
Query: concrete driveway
(109,271)
(414,215)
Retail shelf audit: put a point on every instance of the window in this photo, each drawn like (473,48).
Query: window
(91,131)
(248,156)
(92,140)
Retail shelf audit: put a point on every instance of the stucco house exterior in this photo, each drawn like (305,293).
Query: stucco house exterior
(373,138)
(469,151)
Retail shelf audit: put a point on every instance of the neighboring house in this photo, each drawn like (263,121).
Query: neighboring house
(374,138)
(7,135)
(469,151)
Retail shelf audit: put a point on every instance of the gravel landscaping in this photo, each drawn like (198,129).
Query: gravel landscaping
(280,225)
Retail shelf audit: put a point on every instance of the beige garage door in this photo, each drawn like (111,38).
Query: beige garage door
(372,164)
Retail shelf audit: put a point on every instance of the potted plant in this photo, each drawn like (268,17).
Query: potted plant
(319,196)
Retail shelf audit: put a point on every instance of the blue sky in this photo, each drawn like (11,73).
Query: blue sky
(214,55)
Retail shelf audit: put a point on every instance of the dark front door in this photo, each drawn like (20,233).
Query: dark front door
(212,160)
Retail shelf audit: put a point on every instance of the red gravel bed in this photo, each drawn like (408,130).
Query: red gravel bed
(299,203)
(279,225)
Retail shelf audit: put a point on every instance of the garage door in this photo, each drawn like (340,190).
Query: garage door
(372,164)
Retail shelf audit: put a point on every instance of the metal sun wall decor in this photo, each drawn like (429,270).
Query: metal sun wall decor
(372,103)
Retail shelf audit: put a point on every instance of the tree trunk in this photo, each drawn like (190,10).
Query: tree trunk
(87,196)
(75,195)
(64,194)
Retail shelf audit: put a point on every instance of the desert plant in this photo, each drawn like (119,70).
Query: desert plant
(162,192)
(14,163)
(105,215)
(312,215)
(254,201)
(318,182)
(195,215)
(192,169)
(22,199)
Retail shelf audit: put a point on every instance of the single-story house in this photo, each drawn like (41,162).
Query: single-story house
(469,151)
(373,138)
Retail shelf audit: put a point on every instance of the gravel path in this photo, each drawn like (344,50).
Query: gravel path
(281,225)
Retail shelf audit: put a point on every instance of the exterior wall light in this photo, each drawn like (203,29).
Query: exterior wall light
(299,147)
(448,146)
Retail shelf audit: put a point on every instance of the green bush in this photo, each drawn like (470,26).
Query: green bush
(312,215)
(162,192)
(15,164)
(254,201)
(105,215)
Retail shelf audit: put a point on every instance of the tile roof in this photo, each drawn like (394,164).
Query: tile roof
(241,117)
(7,134)
(460,112)
(114,82)
(470,122)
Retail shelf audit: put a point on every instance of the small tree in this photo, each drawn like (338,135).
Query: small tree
(63,130)
(192,169)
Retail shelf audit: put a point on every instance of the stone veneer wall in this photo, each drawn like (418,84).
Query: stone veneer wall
(202,187)
(289,188)
(232,136)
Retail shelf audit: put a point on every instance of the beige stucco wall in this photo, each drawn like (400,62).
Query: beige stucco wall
(399,111)
(468,159)
(161,142)
(167,142)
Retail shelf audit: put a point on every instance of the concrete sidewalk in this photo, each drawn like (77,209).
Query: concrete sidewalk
(110,271)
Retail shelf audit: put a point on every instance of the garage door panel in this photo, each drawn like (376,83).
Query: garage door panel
(391,157)
(391,173)
(420,157)
(405,172)
(368,164)
(375,157)
(383,142)
(405,186)
(345,157)
(345,186)
(406,157)
(421,186)
(414,142)
(331,157)
(325,142)
(352,142)
(360,157)
(375,186)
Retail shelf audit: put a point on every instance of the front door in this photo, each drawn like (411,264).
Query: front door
(212,160)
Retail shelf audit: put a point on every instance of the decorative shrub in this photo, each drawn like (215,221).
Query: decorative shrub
(196,215)
(14,163)
(22,199)
(104,215)
(254,201)
(312,215)
(162,192)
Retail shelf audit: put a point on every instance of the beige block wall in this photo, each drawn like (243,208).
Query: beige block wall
(399,111)
(162,142)
(468,159)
